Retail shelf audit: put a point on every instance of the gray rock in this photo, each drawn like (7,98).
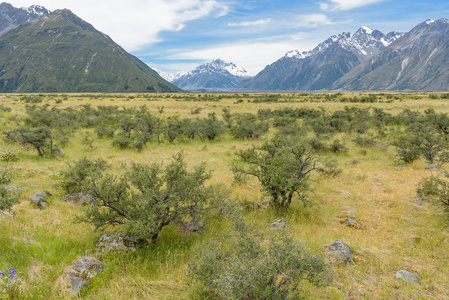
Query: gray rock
(39,201)
(82,272)
(340,252)
(279,224)
(112,242)
(351,223)
(43,194)
(15,188)
(192,227)
(78,199)
(347,214)
(408,276)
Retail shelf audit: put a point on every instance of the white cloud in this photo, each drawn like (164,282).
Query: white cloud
(251,23)
(135,23)
(346,4)
(314,20)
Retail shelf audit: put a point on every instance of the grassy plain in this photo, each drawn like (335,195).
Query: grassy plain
(40,244)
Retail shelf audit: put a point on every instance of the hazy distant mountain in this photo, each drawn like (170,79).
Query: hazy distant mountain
(217,75)
(60,52)
(168,76)
(319,68)
(417,61)
(11,17)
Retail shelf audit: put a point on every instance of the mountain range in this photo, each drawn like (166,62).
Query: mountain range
(417,61)
(365,60)
(218,75)
(11,17)
(319,68)
(43,51)
(59,52)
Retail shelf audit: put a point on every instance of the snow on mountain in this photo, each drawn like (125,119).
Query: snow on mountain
(217,75)
(364,43)
(169,76)
(222,67)
(36,10)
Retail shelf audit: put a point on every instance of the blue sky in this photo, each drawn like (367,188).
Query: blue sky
(178,35)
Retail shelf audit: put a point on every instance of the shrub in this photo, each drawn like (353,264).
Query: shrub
(337,146)
(7,197)
(9,155)
(282,166)
(40,138)
(248,264)
(408,149)
(430,187)
(247,126)
(77,173)
(146,198)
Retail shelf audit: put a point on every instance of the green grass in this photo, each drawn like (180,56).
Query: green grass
(40,244)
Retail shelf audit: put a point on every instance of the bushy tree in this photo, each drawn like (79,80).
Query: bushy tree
(40,138)
(146,198)
(247,126)
(75,175)
(282,165)
(248,264)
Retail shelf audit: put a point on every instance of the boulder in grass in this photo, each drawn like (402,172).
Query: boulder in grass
(352,224)
(192,227)
(112,242)
(279,224)
(82,272)
(340,252)
(408,276)
(78,199)
(38,199)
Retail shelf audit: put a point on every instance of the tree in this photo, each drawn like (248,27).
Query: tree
(146,198)
(282,166)
(39,138)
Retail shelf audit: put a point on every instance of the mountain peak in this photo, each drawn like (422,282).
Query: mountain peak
(218,75)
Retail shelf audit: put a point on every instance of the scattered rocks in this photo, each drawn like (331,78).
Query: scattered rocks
(408,276)
(351,223)
(192,227)
(340,252)
(112,242)
(346,195)
(279,224)
(38,199)
(82,272)
(78,199)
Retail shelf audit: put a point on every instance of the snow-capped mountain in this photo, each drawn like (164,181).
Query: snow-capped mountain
(417,61)
(320,67)
(218,75)
(169,76)
(11,17)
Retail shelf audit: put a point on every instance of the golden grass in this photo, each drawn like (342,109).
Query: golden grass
(41,244)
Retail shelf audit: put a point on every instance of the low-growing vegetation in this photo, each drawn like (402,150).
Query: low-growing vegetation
(184,175)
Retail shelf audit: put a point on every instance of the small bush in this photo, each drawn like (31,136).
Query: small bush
(337,147)
(248,264)
(430,187)
(7,197)
(9,155)
(77,173)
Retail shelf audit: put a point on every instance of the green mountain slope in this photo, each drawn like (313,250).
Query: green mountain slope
(62,53)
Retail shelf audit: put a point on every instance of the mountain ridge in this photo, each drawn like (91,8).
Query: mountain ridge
(60,52)
(216,75)
(320,67)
